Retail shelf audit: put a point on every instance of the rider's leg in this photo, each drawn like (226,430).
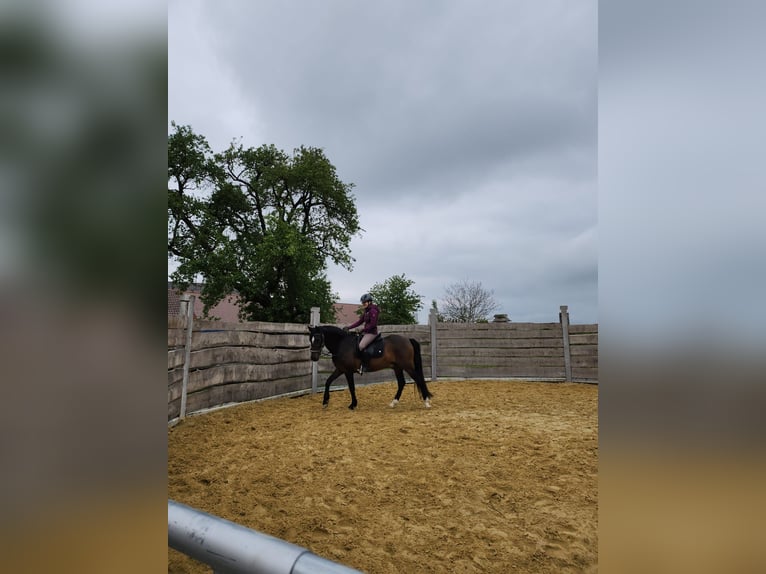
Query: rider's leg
(366,339)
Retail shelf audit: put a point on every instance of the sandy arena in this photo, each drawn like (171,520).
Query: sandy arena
(499,476)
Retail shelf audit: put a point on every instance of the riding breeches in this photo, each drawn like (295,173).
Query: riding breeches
(366,339)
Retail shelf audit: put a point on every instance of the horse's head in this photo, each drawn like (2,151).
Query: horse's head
(317,342)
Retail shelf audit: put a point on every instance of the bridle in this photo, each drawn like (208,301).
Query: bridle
(317,342)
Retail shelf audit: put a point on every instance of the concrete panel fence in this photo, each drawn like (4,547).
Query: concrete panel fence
(550,351)
(215,363)
(235,362)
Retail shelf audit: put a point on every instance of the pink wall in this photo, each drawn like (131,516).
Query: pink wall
(227,310)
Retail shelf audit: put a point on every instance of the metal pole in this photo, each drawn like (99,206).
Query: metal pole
(564,320)
(187,353)
(230,548)
(314,364)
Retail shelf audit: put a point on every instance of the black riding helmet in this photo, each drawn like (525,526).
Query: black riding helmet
(366,297)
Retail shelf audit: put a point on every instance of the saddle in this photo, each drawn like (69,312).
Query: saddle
(374,349)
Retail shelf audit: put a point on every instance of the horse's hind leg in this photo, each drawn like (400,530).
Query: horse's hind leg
(400,381)
(420,383)
(351,389)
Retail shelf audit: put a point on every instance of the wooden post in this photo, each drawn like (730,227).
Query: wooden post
(432,320)
(187,352)
(314,364)
(564,320)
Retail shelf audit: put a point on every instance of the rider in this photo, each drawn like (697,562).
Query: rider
(370,329)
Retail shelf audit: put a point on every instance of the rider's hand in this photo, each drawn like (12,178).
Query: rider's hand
(345,329)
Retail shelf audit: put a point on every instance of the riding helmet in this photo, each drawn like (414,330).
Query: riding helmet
(365,297)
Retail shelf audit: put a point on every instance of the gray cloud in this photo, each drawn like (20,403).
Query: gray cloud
(468,129)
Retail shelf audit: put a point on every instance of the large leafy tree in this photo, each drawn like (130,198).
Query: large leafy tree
(398,303)
(257,222)
(467,302)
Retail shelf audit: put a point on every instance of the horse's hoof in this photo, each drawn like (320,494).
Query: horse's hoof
(351,407)
(393,403)
(324,405)
(428,403)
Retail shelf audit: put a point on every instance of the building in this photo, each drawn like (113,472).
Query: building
(228,309)
(345,313)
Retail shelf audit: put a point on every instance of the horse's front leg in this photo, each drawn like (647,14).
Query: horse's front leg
(400,381)
(336,373)
(351,389)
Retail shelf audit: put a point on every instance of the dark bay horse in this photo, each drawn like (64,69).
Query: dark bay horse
(399,353)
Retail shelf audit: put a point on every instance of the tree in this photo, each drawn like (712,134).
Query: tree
(258,223)
(398,303)
(467,302)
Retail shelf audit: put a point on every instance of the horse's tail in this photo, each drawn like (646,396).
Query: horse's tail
(420,379)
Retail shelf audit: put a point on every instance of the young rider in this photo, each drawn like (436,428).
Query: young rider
(370,329)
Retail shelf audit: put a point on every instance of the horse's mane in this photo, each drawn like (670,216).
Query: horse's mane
(333,337)
(334,330)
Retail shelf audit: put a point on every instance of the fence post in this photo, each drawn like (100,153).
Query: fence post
(189,300)
(432,320)
(314,364)
(564,320)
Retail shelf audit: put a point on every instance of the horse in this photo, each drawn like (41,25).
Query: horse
(397,353)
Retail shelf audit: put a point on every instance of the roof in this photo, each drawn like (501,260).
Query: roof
(174,302)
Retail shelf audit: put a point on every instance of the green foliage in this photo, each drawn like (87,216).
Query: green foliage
(259,223)
(398,303)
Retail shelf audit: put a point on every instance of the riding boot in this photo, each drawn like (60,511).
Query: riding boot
(360,354)
(365,363)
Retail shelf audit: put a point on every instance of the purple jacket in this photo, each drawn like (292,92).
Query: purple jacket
(370,320)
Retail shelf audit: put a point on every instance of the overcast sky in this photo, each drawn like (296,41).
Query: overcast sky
(469,130)
(682,250)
